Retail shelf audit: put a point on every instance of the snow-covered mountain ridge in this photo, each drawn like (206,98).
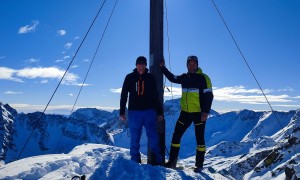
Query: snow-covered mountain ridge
(52,133)
(241,144)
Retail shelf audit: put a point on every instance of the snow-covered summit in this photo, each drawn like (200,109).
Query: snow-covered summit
(240,144)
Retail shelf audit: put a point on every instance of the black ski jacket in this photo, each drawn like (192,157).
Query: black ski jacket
(197,93)
(143,93)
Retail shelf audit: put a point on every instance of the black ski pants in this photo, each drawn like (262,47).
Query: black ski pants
(184,121)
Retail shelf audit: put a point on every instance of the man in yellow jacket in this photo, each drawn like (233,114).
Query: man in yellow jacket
(196,101)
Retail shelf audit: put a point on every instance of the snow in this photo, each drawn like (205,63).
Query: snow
(96,161)
(237,145)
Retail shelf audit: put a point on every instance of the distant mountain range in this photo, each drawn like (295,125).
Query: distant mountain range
(52,133)
(241,144)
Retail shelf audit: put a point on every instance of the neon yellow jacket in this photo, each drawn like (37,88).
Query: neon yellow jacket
(197,93)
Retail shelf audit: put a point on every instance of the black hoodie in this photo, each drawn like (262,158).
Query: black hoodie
(143,93)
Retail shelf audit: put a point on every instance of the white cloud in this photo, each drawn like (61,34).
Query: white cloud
(60,109)
(68,45)
(7,73)
(76,37)
(29,28)
(44,81)
(32,60)
(66,57)
(286,89)
(297,106)
(12,92)
(70,79)
(59,60)
(80,84)
(116,90)
(237,94)
(38,72)
(247,96)
(28,108)
(50,72)
(61,32)
(242,90)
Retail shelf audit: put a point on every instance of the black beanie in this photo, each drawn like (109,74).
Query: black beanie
(141,60)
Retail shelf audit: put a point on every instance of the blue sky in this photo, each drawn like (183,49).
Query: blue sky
(40,38)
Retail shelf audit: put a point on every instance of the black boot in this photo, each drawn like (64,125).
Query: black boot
(200,156)
(174,151)
(198,169)
(199,162)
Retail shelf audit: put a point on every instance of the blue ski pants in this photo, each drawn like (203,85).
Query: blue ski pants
(137,120)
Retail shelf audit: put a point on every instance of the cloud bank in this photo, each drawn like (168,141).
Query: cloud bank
(38,72)
(240,94)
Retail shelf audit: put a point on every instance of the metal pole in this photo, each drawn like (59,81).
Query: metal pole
(156,55)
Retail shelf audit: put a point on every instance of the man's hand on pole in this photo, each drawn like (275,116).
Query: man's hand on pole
(161,63)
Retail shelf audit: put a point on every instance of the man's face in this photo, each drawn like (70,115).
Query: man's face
(141,68)
(192,66)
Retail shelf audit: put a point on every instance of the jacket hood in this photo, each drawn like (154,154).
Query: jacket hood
(199,71)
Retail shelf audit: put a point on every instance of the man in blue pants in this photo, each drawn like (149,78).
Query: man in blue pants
(144,109)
